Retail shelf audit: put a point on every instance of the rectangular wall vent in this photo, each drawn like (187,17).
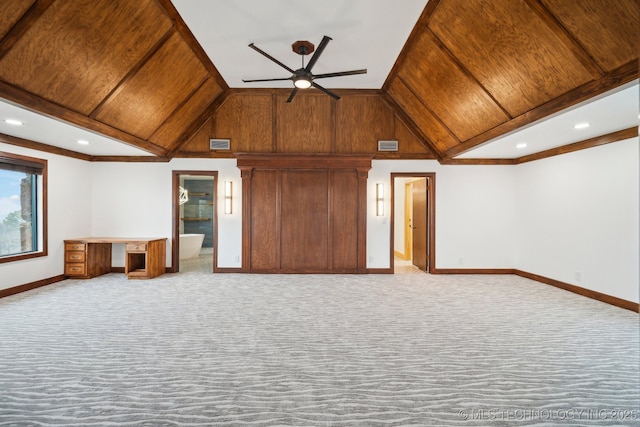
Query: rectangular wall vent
(220,144)
(387,145)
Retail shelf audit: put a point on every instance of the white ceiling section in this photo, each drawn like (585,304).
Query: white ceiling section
(43,129)
(366,34)
(610,112)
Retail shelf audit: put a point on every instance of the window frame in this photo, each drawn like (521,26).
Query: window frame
(38,167)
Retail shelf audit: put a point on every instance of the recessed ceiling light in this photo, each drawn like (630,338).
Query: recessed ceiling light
(522,145)
(582,125)
(13,122)
(83,142)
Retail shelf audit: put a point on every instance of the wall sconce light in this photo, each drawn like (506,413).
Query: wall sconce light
(183,195)
(379,199)
(228,197)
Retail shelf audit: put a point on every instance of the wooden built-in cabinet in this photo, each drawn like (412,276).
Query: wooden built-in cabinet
(84,260)
(304,214)
(89,257)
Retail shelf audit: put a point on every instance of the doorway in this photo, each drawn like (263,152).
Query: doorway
(413,220)
(194,221)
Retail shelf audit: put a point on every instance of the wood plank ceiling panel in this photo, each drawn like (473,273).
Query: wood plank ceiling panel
(607,29)
(510,50)
(408,143)
(304,125)
(170,130)
(143,102)
(432,129)
(247,120)
(198,142)
(451,94)
(79,51)
(12,11)
(362,120)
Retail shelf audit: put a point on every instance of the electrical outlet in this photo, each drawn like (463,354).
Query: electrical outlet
(460,261)
(578,276)
(237,258)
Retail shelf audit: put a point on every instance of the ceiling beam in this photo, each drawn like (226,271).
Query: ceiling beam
(25,143)
(22,26)
(40,105)
(404,117)
(423,20)
(190,39)
(197,124)
(620,135)
(609,81)
(566,38)
(133,71)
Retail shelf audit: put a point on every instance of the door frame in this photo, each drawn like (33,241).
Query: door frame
(175,216)
(431,215)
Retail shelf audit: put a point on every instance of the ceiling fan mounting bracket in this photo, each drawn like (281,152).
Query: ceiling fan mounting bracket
(303,47)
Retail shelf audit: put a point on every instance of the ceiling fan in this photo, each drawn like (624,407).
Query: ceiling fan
(303,78)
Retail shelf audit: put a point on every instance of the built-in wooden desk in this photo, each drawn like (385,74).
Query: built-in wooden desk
(91,256)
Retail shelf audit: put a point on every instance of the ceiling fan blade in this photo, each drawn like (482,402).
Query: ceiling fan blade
(266,80)
(262,52)
(293,93)
(331,94)
(318,52)
(341,73)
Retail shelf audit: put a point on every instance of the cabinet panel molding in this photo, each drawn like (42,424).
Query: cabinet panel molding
(304,214)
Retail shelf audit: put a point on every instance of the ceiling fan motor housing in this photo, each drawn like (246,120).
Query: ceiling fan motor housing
(303,47)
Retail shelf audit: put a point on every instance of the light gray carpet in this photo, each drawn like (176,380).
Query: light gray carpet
(201,349)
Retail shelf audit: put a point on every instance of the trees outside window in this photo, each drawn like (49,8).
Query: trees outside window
(22,199)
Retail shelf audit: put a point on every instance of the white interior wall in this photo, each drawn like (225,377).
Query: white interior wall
(69,215)
(135,200)
(475,217)
(577,218)
(475,214)
(131,200)
(229,226)
(554,217)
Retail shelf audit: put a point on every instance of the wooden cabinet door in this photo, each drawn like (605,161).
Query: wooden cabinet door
(304,220)
(265,224)
(419,224)
(344,221)
(304,214)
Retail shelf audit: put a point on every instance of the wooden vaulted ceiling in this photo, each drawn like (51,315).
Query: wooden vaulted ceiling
(474,70)
(470,71)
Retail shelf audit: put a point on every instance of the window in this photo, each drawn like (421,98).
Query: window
(23,223)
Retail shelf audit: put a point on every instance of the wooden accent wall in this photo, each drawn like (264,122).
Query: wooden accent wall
(261,121)
(304,214)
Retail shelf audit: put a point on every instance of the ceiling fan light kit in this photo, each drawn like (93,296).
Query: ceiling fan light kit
(302,82)
(303,78)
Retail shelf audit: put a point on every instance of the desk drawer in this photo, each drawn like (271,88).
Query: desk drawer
(136,247)
(73,269)
(75,246)
(74,256)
